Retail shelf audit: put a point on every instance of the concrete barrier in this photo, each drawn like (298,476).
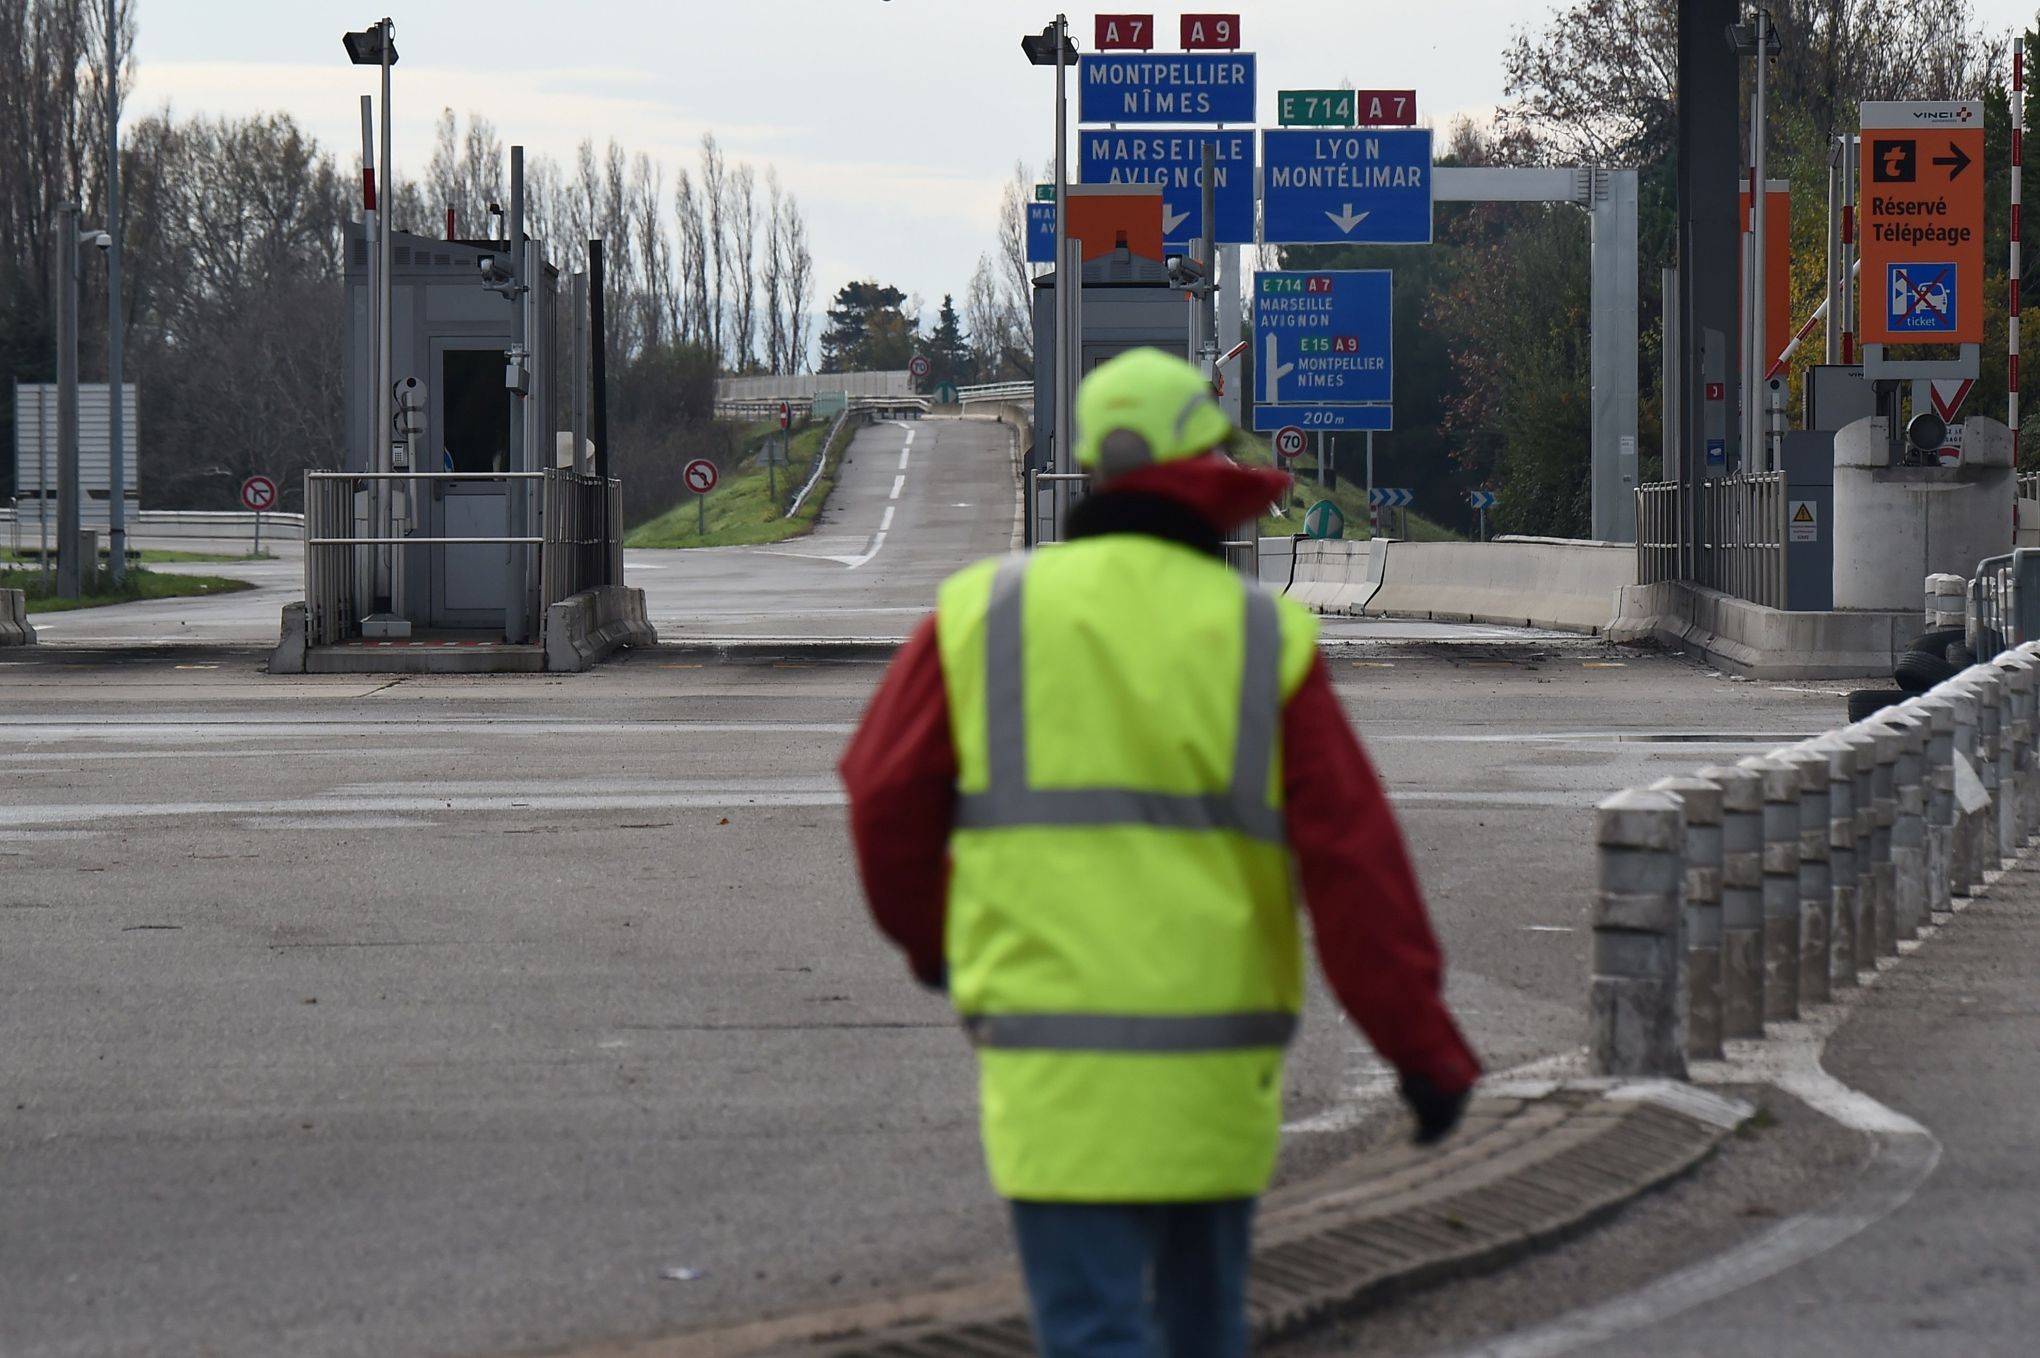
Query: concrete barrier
(1763,643)
(588,626)
(1867,833)
(1334,575)
(1533,582)
(14,628)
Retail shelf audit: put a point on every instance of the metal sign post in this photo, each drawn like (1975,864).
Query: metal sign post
(700,476)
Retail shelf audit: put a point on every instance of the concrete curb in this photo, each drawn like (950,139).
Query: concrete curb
(1520,1174)
(14,628)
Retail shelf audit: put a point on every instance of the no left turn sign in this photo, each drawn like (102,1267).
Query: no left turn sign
(701,476)
(258,493)
(1289,441)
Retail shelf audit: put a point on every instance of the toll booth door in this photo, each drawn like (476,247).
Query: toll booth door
(472,410)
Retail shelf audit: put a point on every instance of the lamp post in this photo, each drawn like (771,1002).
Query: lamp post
(1758,39)
(70,544)
(116,403)
(1052,46)
(377,46)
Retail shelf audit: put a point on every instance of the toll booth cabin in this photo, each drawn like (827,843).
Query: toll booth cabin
(476,442)
(1126,303)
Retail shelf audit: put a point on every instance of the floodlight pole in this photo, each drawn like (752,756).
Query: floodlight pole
(385,516)
(69,575)
(116,446)
(1069,365)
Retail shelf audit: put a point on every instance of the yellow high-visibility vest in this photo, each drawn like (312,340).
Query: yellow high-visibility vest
(1121,935)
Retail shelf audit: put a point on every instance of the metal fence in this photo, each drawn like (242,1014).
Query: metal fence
(580,539)
(1730,537)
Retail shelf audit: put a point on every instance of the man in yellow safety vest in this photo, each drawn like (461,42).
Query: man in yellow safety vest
(1079,800)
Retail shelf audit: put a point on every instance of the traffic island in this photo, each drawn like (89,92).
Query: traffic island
(1521,1173)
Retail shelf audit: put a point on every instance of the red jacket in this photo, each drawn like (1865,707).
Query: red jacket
(1374,939)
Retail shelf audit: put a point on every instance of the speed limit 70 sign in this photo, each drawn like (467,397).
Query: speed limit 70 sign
(1289,441)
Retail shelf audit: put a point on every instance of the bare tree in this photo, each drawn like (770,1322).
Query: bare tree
(715,205)
(800,288)
(773,282)
(743,227)
(655,260)
(692,222)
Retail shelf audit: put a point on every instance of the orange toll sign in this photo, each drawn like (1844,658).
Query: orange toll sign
(1922,223)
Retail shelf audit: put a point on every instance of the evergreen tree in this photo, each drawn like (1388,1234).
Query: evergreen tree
(949,353)
(868,331)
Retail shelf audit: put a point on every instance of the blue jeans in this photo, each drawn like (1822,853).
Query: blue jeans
(1137,1280)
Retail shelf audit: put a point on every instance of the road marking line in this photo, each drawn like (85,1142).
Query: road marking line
(899,483)
(885,524)
(905,453)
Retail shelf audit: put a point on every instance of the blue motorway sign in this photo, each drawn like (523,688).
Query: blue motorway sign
(1041,233)
(1325,186)
(1175,160)
(1323,338)
(1329,419)
(1145,88)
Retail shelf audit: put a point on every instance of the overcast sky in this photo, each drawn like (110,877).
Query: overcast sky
(893,121)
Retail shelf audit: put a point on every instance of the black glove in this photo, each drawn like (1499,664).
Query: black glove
(1437,1112)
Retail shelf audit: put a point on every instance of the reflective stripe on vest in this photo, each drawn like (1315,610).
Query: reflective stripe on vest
(1009,803)
(1130,1032)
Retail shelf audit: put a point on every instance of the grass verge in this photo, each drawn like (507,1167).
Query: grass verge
(748,506)
(100,591)
(1350,496)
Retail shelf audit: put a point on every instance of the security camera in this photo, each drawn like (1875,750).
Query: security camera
(102,239)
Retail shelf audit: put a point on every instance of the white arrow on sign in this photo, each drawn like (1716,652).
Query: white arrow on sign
(1172,220)
(1347,220)
(1276,372)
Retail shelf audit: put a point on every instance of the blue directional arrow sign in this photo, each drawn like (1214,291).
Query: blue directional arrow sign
(1175,160)
(1390,497)
(1483,499)
(1166,87)
(1333,187)
(1041,233)
(1323,338)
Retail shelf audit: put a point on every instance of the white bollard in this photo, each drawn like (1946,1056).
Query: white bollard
(1637,1004)
(1700,801)
(1742,899)
(1780,782)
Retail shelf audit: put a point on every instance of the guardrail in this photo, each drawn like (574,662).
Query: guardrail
(760,409)
(1730,900)
(821,462)
(580,539)
(999,392)
(1730,538)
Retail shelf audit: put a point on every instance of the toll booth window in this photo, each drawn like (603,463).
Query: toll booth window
(478,408)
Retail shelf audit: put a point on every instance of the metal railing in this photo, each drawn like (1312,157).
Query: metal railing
(580,539)
(1730,537)
(751,408)
(999,392)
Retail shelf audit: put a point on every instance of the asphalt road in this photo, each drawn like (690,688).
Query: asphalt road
(436,1016)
